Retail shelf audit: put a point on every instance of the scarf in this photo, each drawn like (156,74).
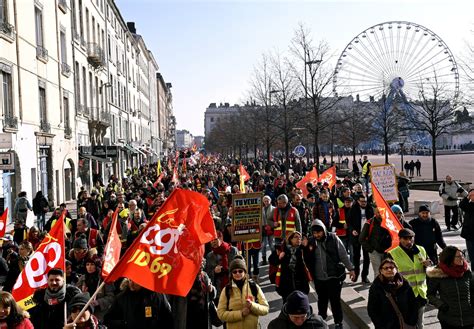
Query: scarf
(454,271)
(55,298)
(391,285)
(292,263)
(223,250)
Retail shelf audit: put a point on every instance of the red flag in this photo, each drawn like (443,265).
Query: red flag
(3,223)
(329,176)
(244,173)
(389,219)
(112,248)
(311,177)
(167,255)
(48,255)
(158,180)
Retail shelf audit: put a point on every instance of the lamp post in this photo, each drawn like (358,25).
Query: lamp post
(309,63)
(402,143)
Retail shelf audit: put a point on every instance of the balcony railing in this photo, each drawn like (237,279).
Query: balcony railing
(10,122)
(65,69)
(95,55)
(45,126)
(7,29)
(41,53)
(105,118)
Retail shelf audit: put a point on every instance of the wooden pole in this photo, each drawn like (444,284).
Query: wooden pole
(89,302)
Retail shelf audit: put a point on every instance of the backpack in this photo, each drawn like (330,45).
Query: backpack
(22,204)
(253,289)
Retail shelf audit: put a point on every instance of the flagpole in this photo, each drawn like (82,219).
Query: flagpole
(247,263)
(88,302)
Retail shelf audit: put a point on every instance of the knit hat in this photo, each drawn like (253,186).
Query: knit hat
(405,233)
(396,208)
(80,300)
(297,303)
(80,242)
(423,207)
(238,263)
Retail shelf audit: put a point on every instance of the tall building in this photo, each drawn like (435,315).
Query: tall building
(184,139)
(215,113)
(80,98)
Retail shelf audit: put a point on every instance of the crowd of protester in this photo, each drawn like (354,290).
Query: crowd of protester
(315,239)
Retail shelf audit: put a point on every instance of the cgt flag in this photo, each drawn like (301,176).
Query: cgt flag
(48,255)
(311,177)
(3,223)
(167,255)
(329,176)
(389,220)
(112,248)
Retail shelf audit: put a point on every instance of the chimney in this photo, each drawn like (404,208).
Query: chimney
(131,27)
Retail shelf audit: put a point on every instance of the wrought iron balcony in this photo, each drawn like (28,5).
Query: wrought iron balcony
(95,55)
(65,69)
(41,53)
(10,122)
(7,29)
(90,111)
(45,126)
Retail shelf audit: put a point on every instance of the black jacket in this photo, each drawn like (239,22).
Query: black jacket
(44,316)
(139,309)
(468,226)
(354,219)
(39,206)
(283,321)
(374,236)
(428,234)
(292,280)
(381,310)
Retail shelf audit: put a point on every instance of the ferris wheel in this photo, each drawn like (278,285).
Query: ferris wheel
(395,58)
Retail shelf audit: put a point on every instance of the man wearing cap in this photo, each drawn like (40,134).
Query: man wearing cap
(428,233)
(49,310)
(297,312)
(88,319)
(327,261)
(412,260)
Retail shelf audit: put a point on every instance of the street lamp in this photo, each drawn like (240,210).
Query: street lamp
(403,138)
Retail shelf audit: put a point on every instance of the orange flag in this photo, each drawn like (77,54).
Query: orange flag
(311,177)
(167,255)
(389,219)
(329,176)
(3,223)
(244,173)
(112,248)
(48,255)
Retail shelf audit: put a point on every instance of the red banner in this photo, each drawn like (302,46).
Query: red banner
(389,219)
(3,223)
(329,176)
(167,255)
(311,177)
(48,255)
(112,248)
(242,172)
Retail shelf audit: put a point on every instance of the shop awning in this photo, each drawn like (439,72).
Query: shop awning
(130,149)
(87,156)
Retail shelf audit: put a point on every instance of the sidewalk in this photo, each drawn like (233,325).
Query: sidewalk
(354,296)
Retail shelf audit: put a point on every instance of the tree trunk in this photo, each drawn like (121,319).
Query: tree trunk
(433,157)
(287,155)
(268,149)
(385,145)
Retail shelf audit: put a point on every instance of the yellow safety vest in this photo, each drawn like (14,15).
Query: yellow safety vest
(340,203)
(365,168)
(68,224)
(412,270)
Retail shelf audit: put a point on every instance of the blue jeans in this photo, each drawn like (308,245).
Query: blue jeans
(253,260)
(270,240)
(470,249)
(40,221)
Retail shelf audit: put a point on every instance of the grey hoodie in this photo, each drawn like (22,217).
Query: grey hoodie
(319,253)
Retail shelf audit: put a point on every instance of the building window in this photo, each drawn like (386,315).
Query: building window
(212,119)
(84,86)
(66,111)
(42,103)
(6,92)
(77,72)
(81,23)
(62,39)
(39,26)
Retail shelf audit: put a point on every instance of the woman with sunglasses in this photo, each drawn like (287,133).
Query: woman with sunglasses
(293,270)
(391,299)
(451,289)
(242,301)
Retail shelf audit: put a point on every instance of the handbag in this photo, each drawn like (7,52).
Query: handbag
(403,325)
(215,321)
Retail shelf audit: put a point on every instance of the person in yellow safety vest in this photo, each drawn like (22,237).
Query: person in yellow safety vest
(54,218)
(412,261)
(366,172)
(345,194)
(286,219)
(340,223)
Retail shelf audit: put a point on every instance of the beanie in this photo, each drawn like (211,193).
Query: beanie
(238,263)
(423,208)
(80,300)
(396,208)
(80,242)
(297,303)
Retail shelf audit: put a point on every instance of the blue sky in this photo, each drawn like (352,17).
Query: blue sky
(208,49)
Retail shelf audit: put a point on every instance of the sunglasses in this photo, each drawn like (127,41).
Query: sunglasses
(237,271)
(386,268)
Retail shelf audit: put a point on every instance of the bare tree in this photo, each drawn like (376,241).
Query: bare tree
(313,71)
(433,113)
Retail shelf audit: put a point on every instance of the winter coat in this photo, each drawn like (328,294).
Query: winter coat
(454,297)
(232,314)
(428,235)
(376,238)
(449,193)
(292,280)
(44,316)
(25,324)
(381,310)
(312,321)
(467,231)
(327,258)
(40,206)
(104,297)
(320,213)
(354,220)
(139,309)
(212,260)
